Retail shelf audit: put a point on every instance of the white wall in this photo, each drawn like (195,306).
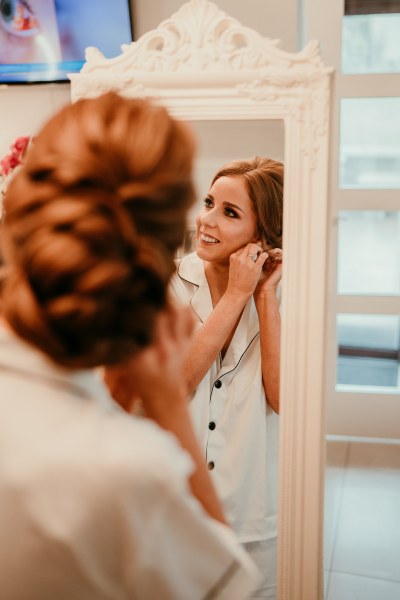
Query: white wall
(24,108)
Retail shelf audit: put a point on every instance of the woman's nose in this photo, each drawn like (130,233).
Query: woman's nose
(208,218)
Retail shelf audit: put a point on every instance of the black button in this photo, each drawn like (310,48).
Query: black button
(211,465)
(218,384)
(211,425)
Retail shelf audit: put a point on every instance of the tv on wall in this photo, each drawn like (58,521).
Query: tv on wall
(41,41)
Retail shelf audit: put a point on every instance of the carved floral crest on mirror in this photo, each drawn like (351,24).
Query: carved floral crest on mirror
(205,66)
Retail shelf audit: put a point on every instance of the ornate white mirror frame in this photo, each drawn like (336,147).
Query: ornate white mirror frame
(204,65)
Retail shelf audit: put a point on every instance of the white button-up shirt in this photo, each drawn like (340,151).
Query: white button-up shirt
(95,504)
(238,430)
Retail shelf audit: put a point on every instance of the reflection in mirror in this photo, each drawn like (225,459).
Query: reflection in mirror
(219,142)
(233,289)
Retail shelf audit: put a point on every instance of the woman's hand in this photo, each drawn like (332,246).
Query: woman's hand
(245,268)
(271,273)
(121,387)
(154,375)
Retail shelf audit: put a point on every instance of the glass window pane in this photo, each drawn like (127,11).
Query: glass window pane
(370,143)
(368,350)
(370,44)
(369,252)
(370,7)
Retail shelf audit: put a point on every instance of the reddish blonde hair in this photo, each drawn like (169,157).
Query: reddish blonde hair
(92,221)
(264,181)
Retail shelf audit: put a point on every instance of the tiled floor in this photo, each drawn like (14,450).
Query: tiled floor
(362,521)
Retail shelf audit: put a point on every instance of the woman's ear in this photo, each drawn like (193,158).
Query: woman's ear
(257,239)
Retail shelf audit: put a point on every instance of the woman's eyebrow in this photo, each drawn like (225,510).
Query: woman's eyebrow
(225,203)
(233,206)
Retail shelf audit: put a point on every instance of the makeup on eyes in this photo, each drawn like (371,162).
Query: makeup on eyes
(226,205)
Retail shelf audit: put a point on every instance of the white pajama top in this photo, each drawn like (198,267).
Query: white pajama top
(94,503)
(237,429)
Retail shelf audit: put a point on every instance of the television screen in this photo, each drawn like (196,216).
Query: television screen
(44,40)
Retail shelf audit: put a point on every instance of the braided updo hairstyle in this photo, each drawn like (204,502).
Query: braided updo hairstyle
(264,182)
(92,220)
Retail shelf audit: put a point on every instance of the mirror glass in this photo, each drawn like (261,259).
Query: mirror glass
(219,142)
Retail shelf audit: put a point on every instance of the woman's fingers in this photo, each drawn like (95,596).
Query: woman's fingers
(275,254)
(250,251)
(119,386)
(263,257)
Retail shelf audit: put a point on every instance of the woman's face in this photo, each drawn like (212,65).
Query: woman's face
(227,221)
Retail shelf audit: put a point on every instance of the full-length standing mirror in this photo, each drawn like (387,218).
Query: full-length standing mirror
(207,68)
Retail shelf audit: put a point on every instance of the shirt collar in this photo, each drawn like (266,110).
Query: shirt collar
(19,357)
(191,269)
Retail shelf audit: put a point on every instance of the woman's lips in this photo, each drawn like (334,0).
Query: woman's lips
(208,239)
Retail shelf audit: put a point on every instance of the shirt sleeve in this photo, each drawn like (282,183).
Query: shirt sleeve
(193,556)
(185,554)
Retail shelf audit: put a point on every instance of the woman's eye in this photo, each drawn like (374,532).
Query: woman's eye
(231,213)
(17,17)
(208,202)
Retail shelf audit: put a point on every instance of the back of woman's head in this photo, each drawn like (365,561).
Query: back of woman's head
(264,181)
(92,221)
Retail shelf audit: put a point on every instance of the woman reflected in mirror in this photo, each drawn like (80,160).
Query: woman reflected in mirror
(231,282)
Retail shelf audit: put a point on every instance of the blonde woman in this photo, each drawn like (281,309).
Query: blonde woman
(231,285)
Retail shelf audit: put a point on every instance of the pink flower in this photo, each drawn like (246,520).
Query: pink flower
(9,163)
(14,158)
(21,144)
